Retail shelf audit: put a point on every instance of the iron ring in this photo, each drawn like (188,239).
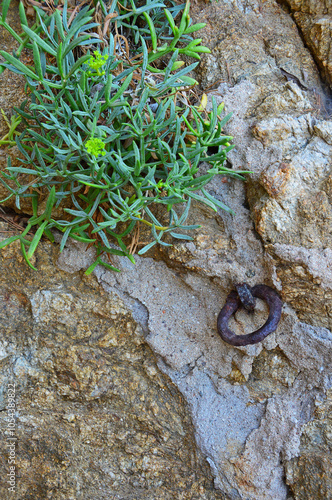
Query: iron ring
(233,302)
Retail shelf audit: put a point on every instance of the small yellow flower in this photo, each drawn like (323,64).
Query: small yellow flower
(95,147)
(96,62)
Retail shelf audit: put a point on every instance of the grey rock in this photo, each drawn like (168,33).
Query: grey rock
(313,18)
(94,416)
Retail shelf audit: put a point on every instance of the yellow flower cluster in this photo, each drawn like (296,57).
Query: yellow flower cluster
(95,147)
(96,62)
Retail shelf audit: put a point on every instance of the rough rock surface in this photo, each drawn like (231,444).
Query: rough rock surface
(313,17)
(95,416)
(261,413)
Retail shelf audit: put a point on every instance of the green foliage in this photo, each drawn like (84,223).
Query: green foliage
(109,131)
(8,139)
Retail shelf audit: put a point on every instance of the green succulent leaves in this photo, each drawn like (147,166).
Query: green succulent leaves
(104,135)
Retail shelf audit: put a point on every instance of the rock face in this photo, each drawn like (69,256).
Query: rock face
(313,17)
(261,413)
(95,416)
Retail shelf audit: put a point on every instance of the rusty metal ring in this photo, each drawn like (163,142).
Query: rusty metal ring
(247,294)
